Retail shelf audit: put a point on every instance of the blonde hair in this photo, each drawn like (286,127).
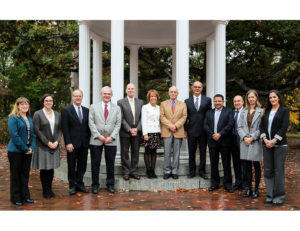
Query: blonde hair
(246,99)
(15,110)
(152,91)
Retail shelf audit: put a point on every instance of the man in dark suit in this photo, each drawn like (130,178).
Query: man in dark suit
(218,125)
(130,133)
(238,164)
(76,135)
(197,106)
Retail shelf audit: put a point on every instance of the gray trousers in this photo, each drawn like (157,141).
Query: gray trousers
(170,143)
(274,160)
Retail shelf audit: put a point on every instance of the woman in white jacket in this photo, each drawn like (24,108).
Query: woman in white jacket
(151,131)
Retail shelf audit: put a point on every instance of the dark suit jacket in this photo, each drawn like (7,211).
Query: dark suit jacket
(224,127)
(195,119)
(279,125)
(127,117)
(74,132)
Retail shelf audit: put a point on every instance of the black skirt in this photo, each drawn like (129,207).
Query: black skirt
(154,141)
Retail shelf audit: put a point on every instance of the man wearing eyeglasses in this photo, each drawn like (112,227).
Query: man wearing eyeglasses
(197,106)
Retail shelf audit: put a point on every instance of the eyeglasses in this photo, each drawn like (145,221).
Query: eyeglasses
(196,87)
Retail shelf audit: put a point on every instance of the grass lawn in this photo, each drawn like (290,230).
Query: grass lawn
(293,135)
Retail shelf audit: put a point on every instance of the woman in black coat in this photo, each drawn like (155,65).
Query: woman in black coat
(273,130)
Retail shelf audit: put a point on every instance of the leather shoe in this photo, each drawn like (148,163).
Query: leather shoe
(175,176)
(268,200)
(29,200)
(82,189)
(111,188)
(191,175)
(277,203)
(229,189)
(18,203)
(95,190)
(236,187)
(72,191)
(255,194)
(135,176)
(126,177)
(212,188)
(203,175)
(166,176)
(248,193)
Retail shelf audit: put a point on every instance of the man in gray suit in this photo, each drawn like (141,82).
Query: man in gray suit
(104,123)
(131,130)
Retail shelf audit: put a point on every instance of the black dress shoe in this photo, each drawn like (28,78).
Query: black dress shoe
(212,188)
(18,203)
(191,175)
(236,187)
(29,200)
(52,194)
(148,173)
(82,189)
(276,203)
(268,200)
(175,176)
(153,175)
(135,176)
(111,188)
(126,177)
(229,189)
(166,176)
(72,191)
(248,193)
(95,189)
(203,175)
(255,194)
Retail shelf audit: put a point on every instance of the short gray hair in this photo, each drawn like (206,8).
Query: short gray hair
(173,87)
(106,87)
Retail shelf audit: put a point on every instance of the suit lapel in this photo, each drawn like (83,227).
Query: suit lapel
(256,115)
(277,114)
(101,112)
(74,113)
(128,106)
(220,119)
(112,108)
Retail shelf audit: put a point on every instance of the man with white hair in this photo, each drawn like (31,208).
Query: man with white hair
(104,123)
(173,114)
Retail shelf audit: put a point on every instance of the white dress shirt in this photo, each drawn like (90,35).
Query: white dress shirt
(76,109)
(199,101)
(217,116)
(51,120)
(150,119)
(103,106)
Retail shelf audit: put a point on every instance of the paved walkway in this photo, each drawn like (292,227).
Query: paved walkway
(160,200)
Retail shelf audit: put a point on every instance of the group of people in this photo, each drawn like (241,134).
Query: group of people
(247,134)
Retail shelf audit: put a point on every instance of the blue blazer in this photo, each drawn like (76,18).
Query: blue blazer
(18,134)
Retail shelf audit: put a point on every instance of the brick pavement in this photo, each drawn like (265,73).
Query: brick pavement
(179,199)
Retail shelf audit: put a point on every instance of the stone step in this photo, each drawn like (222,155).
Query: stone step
(144,184)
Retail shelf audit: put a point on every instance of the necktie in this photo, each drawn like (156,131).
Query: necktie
(132,109)
(197,103)
(173,106)
(105,111)
(236,116)
(79,114)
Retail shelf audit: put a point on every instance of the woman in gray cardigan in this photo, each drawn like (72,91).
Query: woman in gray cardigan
(46,155)
(250,144)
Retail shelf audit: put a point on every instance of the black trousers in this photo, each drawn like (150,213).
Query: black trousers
(132,142)
(214,164)
(257,170)
(237,164)
(193,142)
(96,155)
(77,163)
(19,165)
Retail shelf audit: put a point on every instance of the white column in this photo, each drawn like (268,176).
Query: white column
(210,78)
(173,65)
(134,66)
(117,59)
(220,58)
(97,68)
(84,61)
(182,58)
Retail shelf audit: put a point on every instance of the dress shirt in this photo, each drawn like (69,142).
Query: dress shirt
(103,106)
(51,120)
(76,109)
(172,102)
(199,101)
(132,106)
(217,116)
(239,115)
(150,119)
(271,117)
